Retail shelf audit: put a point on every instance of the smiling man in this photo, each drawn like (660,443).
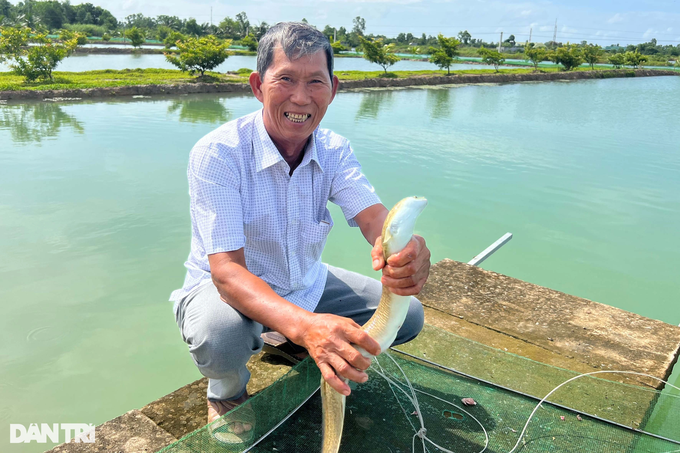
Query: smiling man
(259,187)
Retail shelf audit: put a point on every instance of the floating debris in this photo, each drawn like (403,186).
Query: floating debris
(58,99)
(469,402)
(578,417)
(140,96)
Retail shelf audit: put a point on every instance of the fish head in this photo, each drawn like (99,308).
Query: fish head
(400,222)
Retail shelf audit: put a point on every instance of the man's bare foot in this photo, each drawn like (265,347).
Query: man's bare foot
(243,423)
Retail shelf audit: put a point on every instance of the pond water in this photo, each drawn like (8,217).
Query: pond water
(94,220)
(86,62)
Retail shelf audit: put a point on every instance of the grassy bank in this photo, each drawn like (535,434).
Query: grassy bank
(133,77)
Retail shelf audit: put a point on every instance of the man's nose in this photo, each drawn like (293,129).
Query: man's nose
(300,95)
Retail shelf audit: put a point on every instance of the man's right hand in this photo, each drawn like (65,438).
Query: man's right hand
(328,339)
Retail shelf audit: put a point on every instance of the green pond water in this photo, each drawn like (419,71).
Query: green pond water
(94,220)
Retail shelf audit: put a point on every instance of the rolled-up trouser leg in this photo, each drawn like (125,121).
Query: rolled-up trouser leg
(356,296)
(220,340)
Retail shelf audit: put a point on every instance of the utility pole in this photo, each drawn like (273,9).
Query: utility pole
(555,34)
(211,16)
(500,43)
(530,30)
(335,35)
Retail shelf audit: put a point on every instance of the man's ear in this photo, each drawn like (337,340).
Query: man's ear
(336,83)
(256,85)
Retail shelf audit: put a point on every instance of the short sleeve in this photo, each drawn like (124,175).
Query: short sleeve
(214,188)
(350,188)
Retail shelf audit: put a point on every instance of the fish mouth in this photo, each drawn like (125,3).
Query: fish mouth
(297,117)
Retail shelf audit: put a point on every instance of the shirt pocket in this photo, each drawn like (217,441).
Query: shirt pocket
(313,237)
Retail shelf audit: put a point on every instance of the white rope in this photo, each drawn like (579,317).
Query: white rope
(422,431)
(526,425)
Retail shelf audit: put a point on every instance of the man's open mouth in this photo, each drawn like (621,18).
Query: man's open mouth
(297,117)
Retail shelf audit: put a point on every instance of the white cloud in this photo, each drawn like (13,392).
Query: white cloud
(526,12)
(615,19)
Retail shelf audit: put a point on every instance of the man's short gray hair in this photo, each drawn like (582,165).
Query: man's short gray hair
(297,39)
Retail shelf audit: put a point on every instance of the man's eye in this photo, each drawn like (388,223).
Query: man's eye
(287,79)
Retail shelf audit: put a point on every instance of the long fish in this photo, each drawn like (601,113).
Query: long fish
(385,322)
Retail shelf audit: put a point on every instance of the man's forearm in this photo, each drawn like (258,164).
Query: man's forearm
(371,221)
(252,297)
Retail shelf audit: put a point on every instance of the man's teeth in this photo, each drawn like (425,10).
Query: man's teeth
(297,118)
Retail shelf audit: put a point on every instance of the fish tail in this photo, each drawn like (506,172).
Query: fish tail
(333,406)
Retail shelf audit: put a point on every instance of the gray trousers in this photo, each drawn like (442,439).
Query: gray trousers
(221,339)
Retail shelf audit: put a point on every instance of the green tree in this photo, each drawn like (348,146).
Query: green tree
(511,40)
(617,60)
(568,56)
(464,37)
(492,57)
(136,36)
(106,37)
(192,28)
(32,55)
(49,14)
(200,54)
(68,35)
(446,53)
(536,54)
(171,40)
(162,32)
(635,59)
(377,52)
(243,24)
(359,25)
(250,42)
(337,47)
(591,54)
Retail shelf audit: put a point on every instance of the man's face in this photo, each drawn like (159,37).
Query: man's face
(295,95)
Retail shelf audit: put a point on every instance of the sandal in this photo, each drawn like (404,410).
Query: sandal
(277,344)
(233,429)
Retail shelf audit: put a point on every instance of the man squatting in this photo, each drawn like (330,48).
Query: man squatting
(259,186)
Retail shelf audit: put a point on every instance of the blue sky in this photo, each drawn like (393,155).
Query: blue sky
(603,22)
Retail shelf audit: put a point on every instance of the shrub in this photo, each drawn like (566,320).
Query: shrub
(136,36)
(250,42)
(171,40)
(376,52)
(200,54)
(634,59)
(492,57)
(337,47)
(618,60)
(35,61)
(446,53)
(568,56)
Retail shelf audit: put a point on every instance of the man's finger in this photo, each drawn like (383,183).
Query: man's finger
(400,272)
(333,380)
(377,255)
(361,338)
(354,357)
(409,253)
(398,282)
(347,371)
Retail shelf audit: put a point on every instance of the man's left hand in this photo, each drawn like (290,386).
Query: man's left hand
(405,272)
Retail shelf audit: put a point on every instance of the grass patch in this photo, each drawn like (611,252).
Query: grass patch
(113,78)
(127,77)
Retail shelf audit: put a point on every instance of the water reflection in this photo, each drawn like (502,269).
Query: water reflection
(200,110)
(439,103)
(35,122)
(372,102)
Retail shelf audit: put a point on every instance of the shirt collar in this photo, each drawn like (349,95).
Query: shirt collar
(266,153)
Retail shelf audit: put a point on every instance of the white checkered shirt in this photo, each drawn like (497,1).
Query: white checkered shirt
(242,196)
